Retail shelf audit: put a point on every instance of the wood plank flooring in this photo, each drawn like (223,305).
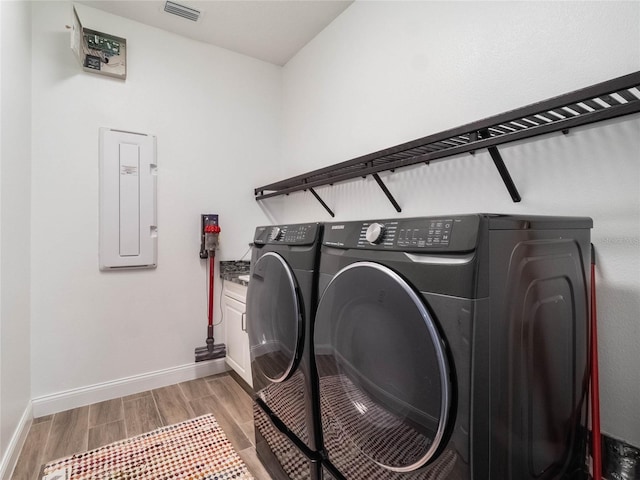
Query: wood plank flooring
(93,426)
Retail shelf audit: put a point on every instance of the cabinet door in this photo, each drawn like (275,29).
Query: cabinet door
(237,341)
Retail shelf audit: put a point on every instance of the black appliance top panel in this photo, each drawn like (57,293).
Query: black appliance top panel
(536,222)
(451,233)
(298,234)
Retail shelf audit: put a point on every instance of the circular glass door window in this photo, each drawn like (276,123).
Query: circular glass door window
(383,369)
(274,318)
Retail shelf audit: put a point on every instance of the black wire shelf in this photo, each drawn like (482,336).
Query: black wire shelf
(613,98)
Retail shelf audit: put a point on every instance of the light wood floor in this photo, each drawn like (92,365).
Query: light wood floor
(89,427)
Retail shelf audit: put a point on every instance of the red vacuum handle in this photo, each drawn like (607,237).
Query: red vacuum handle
(211,277)
(596,447)
(211,230)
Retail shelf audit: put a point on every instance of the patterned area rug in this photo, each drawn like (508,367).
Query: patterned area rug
(195,449)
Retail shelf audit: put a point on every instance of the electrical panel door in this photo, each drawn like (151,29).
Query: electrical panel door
(128,227)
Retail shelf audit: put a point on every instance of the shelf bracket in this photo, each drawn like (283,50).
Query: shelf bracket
(326,207)
(386,191)
(504,173)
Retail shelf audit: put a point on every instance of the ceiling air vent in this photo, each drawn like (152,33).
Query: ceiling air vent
(182,11)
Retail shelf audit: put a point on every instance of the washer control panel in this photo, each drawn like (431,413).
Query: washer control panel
(299,234)
(434,233)
(377,233)
(403,234)
(450,233)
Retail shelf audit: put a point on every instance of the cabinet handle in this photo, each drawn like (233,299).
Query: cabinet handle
(243,322)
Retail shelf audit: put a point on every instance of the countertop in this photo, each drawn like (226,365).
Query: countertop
(236,271)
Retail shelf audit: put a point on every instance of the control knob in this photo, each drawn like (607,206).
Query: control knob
(276,233)
(375,232)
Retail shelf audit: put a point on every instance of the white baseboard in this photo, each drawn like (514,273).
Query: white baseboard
(10,457)
(78,397)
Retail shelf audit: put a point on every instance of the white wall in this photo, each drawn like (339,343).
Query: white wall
(216,115)
(388,72)
(381,74)
(15,180)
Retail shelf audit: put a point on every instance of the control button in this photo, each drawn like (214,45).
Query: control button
(276,233)
(375,232)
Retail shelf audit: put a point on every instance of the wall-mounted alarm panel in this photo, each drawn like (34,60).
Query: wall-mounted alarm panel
(128,220)
(99,52)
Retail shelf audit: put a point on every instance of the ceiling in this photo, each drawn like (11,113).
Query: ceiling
(270,30)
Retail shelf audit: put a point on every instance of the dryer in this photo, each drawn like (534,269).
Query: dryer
(453,348)
(281,302)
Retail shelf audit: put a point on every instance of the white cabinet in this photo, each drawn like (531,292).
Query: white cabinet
(234,299)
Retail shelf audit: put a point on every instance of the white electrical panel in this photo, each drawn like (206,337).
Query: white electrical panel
(128,226)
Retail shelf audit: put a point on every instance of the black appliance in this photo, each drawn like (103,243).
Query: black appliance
(454,348)
(281,302)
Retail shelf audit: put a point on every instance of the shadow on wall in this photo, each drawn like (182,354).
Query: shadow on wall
(66,65)
(269,208)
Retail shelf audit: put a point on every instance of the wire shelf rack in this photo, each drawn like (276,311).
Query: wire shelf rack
(610,99)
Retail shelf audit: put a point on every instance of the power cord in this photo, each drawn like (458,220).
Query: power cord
(248,250)
(221,287)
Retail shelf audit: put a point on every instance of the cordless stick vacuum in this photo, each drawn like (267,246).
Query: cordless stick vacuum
(211,351)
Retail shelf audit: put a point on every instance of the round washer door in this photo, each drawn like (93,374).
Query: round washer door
(384,374)
(274,319)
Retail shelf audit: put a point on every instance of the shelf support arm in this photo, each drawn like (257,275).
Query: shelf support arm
(386,191)
(326,207)
(504,173)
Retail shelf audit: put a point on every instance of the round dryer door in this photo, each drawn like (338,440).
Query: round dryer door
(274,319)
(384,376)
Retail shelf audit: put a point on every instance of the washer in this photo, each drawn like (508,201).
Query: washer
(453,348)
(281,302)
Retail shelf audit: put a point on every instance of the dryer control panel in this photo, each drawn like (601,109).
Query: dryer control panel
(450,233)
(299,234)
